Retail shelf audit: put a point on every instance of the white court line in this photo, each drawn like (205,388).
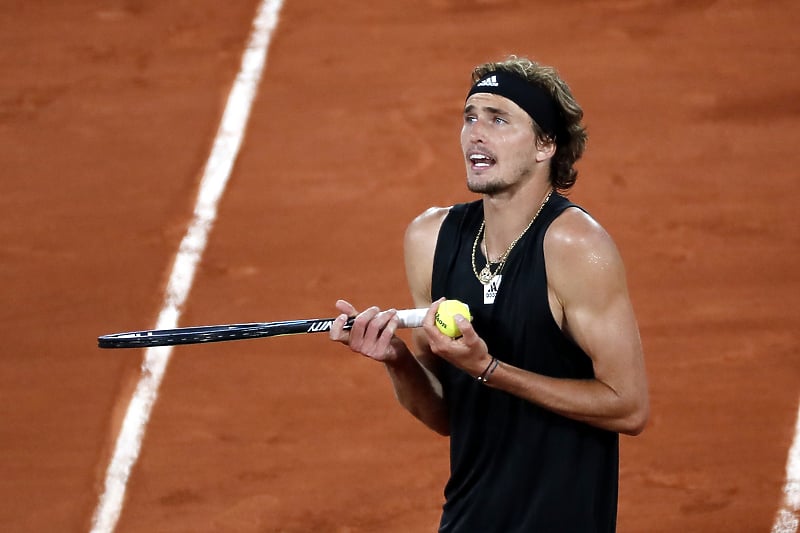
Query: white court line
(215,178)
(788,518)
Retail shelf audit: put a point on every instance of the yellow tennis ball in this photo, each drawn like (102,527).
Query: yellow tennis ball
(444,317)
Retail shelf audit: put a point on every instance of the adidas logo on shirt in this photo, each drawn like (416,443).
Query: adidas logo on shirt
(491,81)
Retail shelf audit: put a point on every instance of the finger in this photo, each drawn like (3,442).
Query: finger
(337,331)
(343,306)
(428,323)
(380,320)
(359,328)
(390,329)
(380,333)
(379,323)
(468,333)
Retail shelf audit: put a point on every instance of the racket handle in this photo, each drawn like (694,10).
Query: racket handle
(411,318)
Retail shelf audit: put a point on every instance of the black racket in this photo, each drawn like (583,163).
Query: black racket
(409,318)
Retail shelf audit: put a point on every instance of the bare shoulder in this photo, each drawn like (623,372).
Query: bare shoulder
(580,254)
(422,233)
(576,232)
(427,222)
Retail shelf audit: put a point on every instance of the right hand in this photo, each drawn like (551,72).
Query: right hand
(372,333)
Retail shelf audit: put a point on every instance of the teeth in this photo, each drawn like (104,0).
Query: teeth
(480,160)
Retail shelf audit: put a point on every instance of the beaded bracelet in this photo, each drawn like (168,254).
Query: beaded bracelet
(490,368)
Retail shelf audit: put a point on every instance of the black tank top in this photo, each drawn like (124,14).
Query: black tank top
(515,467)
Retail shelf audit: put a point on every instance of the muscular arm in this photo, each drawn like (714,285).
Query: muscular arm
(589,300)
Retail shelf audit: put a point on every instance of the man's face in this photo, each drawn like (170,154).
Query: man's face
(498,143)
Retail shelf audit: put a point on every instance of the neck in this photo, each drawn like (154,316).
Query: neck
(507,216)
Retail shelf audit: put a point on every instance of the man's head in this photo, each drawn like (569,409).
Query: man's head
(546,98)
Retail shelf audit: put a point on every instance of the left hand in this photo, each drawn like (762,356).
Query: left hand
(468,352)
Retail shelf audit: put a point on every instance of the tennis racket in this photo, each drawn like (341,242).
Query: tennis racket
(409,318)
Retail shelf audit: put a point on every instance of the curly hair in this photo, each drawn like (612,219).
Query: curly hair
(571,138)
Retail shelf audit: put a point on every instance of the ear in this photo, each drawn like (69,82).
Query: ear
(545,149)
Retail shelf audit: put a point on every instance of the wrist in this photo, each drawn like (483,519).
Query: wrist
(488,370)
(398,353)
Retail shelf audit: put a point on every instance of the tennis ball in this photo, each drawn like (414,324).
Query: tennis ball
(444,317)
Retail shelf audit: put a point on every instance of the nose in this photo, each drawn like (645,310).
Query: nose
(475,131)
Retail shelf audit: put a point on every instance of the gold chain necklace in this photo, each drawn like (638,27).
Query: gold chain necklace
(486,274)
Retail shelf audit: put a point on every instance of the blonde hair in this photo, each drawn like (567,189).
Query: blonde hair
(571,137)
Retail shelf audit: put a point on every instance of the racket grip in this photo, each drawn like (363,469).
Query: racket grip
(411,318)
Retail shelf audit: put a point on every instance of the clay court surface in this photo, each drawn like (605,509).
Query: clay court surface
(108,110)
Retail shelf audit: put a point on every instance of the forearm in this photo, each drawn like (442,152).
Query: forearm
(586,400)
(417,389)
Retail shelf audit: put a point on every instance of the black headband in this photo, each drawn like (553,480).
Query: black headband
(533,99)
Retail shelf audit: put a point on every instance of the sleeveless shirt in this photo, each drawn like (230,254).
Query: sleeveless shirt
(516,467)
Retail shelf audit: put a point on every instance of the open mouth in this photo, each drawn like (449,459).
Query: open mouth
(480,160)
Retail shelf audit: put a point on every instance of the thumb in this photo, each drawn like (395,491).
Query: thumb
(346,307)
(468,333)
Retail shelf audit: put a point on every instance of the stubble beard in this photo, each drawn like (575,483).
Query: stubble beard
(490,188)
(497,183)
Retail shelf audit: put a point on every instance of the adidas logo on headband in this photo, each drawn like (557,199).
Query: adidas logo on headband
(491,81)
(534,99)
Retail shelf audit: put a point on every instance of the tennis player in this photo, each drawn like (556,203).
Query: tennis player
(550,371)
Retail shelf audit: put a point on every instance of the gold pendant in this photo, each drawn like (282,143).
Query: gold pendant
(485,275)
